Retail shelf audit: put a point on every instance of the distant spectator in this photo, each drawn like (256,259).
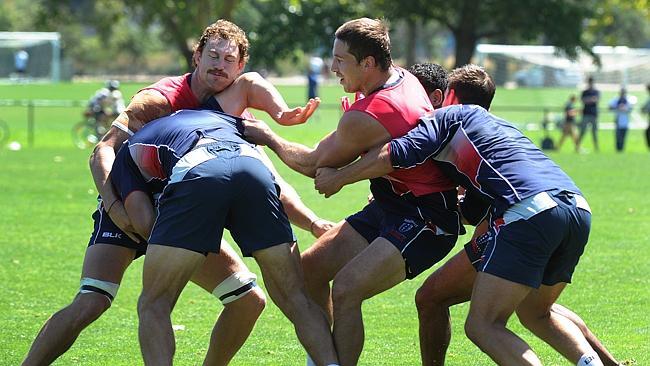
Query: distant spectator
(569,125)
(590,98)
(622,106)
(105,105)
(313,76)
(21,58)
(646,110)
(547,141)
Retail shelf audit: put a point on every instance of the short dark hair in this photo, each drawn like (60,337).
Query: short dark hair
(367,37)
(432,76)
(472,85)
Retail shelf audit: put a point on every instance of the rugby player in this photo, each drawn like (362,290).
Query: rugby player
(523,266)
(412,222)
(216,83)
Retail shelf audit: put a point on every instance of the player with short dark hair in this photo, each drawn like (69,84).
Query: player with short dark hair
(412,222)
(434,79)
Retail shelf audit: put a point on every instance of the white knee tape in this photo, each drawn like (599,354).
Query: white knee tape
(105,288)
(235,286)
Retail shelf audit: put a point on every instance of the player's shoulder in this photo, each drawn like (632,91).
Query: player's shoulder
(358,123)
(150,97)
(247,79)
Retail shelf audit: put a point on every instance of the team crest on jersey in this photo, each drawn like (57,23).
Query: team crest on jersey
(406,225)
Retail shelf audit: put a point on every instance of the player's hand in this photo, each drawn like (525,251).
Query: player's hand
(258,132)
(118,215)
(320,227)
(298,115)
(327,181)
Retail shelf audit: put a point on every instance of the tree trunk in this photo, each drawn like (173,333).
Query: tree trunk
(227,8)
(466,42)
(465,32)
(411,31)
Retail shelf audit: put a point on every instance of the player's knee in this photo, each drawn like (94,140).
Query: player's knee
(94,297)
(428,299)
(237,286)
(251,305)
(477,328)
(344,293)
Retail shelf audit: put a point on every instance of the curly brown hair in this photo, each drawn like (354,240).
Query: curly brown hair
(367,37)
(226,30)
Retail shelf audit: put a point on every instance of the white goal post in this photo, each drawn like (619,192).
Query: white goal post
(43,50)
(543,66)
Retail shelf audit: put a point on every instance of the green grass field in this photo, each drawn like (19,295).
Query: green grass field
(47,197)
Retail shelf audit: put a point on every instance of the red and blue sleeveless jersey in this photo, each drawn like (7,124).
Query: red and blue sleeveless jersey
(178,92)
(482,153)
(397,107)
(423,191)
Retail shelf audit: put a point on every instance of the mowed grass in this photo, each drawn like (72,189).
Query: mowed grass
(47,197)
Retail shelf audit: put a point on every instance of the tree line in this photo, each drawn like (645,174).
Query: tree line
(148,36)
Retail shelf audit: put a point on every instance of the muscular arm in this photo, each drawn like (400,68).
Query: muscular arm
(144,107)
(375,163)
(356,133)
(299,214)
(264,96)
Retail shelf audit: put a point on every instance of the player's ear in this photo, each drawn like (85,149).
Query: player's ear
(436,98)
(368,62)
(196,57)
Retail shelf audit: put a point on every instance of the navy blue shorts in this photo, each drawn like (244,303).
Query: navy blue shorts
(421,243)
(221,185)
(475,249)
(106,232)
(542,249)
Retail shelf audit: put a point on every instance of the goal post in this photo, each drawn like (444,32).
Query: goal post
(543,66)
(43,53)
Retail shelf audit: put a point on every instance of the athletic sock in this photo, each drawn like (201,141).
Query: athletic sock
(590,359)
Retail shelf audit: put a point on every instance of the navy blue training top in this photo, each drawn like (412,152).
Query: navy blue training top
(483,153)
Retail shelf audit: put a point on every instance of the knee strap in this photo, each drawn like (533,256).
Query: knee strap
(105,288)
(235,286)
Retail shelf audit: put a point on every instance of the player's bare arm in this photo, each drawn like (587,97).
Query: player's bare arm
(299,214)
(375,163)
(252,90)
(356,133)
(144,107)
(140,209)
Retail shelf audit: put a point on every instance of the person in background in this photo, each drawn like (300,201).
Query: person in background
(590,98)
(21,58)
(646,110)
(105,105)
(569,125)
(622,107)
(313,76)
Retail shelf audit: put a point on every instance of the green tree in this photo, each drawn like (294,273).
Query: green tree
(620,22)
(555,22)
(182,21)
